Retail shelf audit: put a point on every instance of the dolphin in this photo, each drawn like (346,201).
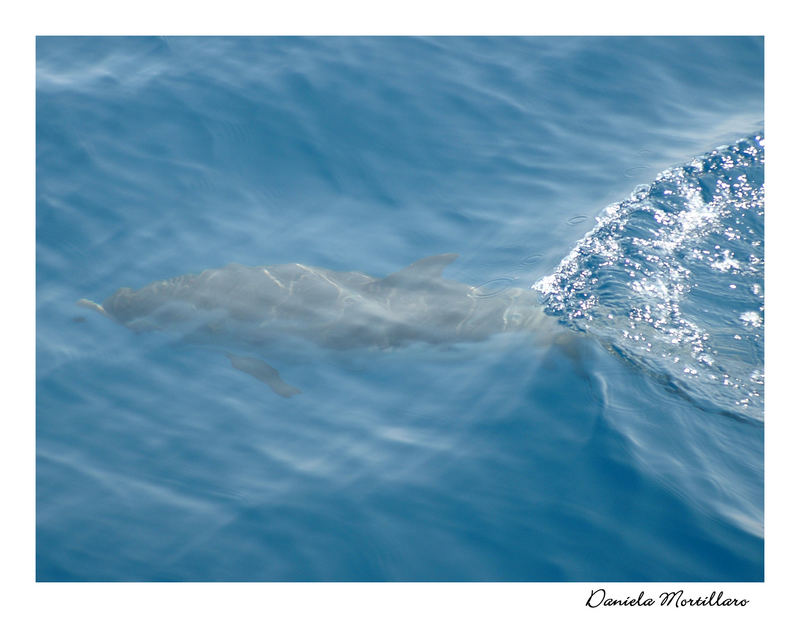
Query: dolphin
(258,305)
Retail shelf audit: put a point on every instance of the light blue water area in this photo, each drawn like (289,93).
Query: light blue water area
(620,178)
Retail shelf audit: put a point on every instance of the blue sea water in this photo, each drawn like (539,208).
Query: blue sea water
(620,178)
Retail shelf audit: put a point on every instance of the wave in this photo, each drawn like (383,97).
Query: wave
(672,279)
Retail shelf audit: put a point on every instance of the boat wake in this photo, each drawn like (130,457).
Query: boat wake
(672,279)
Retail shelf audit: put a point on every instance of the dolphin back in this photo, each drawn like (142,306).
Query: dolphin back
(332,308)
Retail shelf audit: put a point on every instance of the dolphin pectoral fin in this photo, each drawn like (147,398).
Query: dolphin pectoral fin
(575,349)
(279,387)
(570,346)
(263,372)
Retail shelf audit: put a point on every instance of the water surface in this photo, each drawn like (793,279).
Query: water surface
(622,177)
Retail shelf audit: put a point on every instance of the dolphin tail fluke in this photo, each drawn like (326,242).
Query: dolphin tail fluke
(263,372)
(90,304)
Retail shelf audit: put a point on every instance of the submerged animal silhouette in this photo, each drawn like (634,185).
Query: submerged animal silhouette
(256,305)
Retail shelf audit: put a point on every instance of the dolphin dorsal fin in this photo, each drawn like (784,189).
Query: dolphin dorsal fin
(425,269)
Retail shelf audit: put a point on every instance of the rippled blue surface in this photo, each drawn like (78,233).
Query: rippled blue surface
(496,460)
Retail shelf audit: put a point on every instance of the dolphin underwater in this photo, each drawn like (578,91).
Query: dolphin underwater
(258,305)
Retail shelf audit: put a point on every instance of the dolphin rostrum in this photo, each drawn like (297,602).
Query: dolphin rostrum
(256,305)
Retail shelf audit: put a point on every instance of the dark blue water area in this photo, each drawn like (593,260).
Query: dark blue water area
(624,444)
